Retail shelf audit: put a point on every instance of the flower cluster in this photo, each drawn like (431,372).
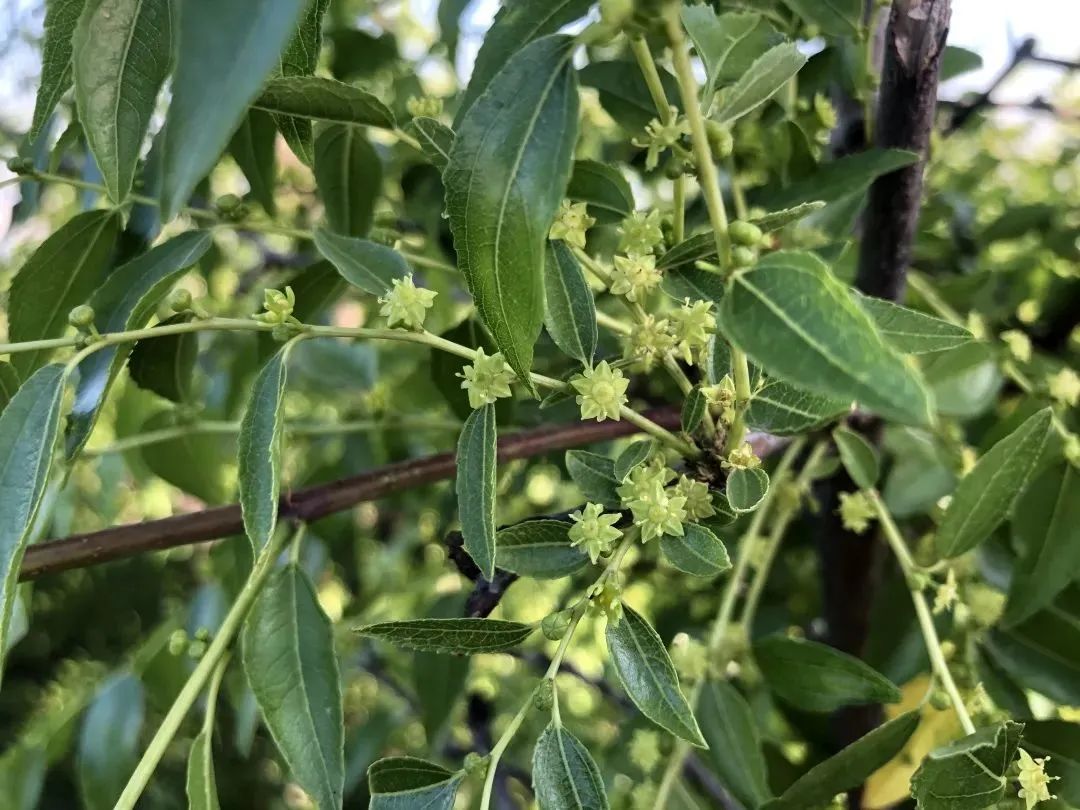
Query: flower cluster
(1034,780)
(427,106)
(657,509)
(594,530)
(694,323)
(406,304)
(571,224)
(1064,387)
(742,458)
(634,276)
(486,379)
(1018,344)
(640,233)
(947,594)
(661,136)
(278,308)
(601,392)
(650,339)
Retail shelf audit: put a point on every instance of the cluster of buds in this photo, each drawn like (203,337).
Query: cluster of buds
(1064,387)
(649,340)
(601,391)
(746,238)
(856,511)
(486,379)
(722,397)
(685,332)
(606,597)
(572,223)
(406,304)
(277,312)
(947,594)
(182,644)
(594,530)
(657,508)
(424,106)
(231,208)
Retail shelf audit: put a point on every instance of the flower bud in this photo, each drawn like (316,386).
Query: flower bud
(227,203)
(81,317)
(745,233)
(555,625)
(475,763)
(721,141)
(179,300)
(940,700)
(743,256)
(544,696)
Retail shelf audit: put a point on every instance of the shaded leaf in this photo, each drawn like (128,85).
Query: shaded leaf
(594,476)
(838,179)
(694,283)
(859,457)
(507,173)
(365,264)
(29,427)
(913,332)
(623,92)
(166,365)
(289,660)
(201,464)
(252,147)
(9,383)
(201,785)
(564,775)
(540,549)
(986,495)
(230,46)
(349,176)
(61,17)
(693,410)
(784,410)
(408,783)
(122,56)
(635,454)
(838,18)
(698,552)
(969,773)
(570,314)
(434,138)
(323,100)
(603,188)
(964,380)
(762,80)
(727,724)
(109,741)
(692,249)
(61,274)
(300,58)
(648,676)
(475,485)
(746,488)
(797,321)
(817,678)
(453,636)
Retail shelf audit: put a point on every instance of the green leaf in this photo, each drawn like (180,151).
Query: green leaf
(540,549)
(817,678)
(109,741)
(635,454)
(61,274)
(61,17)
(648,676)
(727,723)
(1059,740)
(913,332)
(449,19)
(969,773)
(9,383)
(408,783)
(252,147)
(957,61)
(746,488)
(690,250)
(838,18)
(784,410)
(624,93)
(762,80)
(564,775)
(435,139)
(776,220)
(476,465)
(693,410)
(29,427)
(301,58)
(849,768)
(439,680)
(515,26)
(859,457)
(201,785)
(965,380)
(570,315)
(258,450)
(694,283)
(506,177)
(594,476)
(798,322)
(166,365)
(323,100)
(127,300)
(452,636)
(201,464)
(289,660)
(230,46)
(728,44)
(348,173)
(365,264)
(122,56)
(838,180)
(1046,531)
(698,552)
(986,495)
(603,188)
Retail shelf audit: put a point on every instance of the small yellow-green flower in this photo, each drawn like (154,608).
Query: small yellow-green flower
(689,656)
(694,323)
(722,396)
(1064,387)
(662,136)
(649,340)
(607,598)
(825,112)
(658,512)
(406,303)
(947,593)
(571,223)
(640,233)
(742,458)
(1034,780)
(594,530)
(856,511)
(1028,312)
(641,480)
(428,106)
(278,307)
(1018,343)
(601,391)
(645,750)
(634,276)
(486,379)
(698,499)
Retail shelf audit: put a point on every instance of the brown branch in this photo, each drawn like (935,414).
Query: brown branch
(312,503)
(961,114)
